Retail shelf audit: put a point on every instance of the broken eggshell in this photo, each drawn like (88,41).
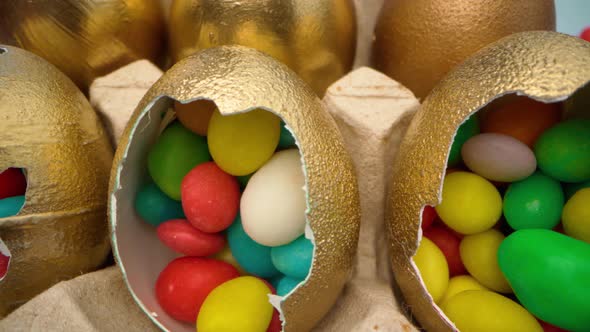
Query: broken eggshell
(49,129)
(238,80)
(546,66)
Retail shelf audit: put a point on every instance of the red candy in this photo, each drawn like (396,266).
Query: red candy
(180,236)
(275,323)
(428,216)
(12,183)
(4,260)
(185,282)
(448,243)
(550,328)
(210,198)
(586,34)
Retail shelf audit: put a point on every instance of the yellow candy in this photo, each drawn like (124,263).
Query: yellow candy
(432,264)
(196,115)
(485,311)
(242,143)
(226,256)
(470,204)
(240,304)
(576,215)
(479,253)
(459,284)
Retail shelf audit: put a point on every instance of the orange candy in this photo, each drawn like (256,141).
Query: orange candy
(196,115)
(523,118)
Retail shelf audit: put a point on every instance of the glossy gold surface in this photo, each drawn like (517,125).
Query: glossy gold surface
(49,129)
(546,66)
(418,41)
(84,38)
(315,38)
(239,79)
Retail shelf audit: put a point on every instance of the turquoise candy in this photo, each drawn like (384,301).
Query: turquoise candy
(286,284)
(467,130)
(11,206)
(563,151)
(177,151)
(274,281)
(550,274)
(154,207)
(293,259)
(535,202)
(254,258)
(286,140)
(571,188)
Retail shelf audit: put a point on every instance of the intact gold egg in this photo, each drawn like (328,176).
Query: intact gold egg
(546,66)
(315,38)
(418,41)
(85,39)
(49,129)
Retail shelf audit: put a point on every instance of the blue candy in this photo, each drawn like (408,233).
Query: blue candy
(155,207)
(11,206)
(286,285)
(254,258)
(293,259)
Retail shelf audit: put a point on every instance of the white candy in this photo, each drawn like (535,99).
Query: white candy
(273,204)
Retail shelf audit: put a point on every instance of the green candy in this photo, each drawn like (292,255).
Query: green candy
(550,274)
(286,140)
(177,151)
(563,151)
(467,130)
(154,207)
(535,202)
(571,188)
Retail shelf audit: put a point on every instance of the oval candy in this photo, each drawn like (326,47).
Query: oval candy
(180,236)
(433,268)
(460,284)
(154,207)
(293,259)
(576,215)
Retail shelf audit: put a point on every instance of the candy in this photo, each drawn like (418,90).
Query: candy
(563,152)
(12,183)
(11,206)
(569,189)
(275,323)
(177,151)
(433,268)
(286,139)
(240,304)
(254,258)
(180,236)
(479,254)
(460,284)
(226,255)
(185,282)
(585,34)
(550,328)
(273,204)
(448,243)
(241,143)
(549,273)
(535,202)
(484,311)
(293,259)
(154,207)
(286,284)
(210,198)
(468,129)
(4,262)
(498,157)
(195,116)
(428,217)
(470,204)
(522,118)
(576,216)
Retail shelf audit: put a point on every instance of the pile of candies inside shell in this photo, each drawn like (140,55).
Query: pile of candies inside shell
(13,186)
(514,219)
(227,194)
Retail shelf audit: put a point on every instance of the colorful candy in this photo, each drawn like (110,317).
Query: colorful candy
(563,152)
(498,157)
(184,284)
(176,152)
(470,204)
(428,217)
(576,215)
(226,255)
(240,144)
(448,243)
(154,207)
(11,206)
(286,140)
(286,284)
(549,273)
(293,259)
(275,196)
(210,198)
(240,304)
(467,130)
(585,34)
(4,262)
(460,284)
(180,236)
(195,116)
(535,202)
(12,183)
(433,268)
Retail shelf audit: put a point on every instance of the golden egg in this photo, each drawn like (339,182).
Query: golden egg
(546,66)
(49,129)
(85,39)
(418,41)
(241,79)
(315,38)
